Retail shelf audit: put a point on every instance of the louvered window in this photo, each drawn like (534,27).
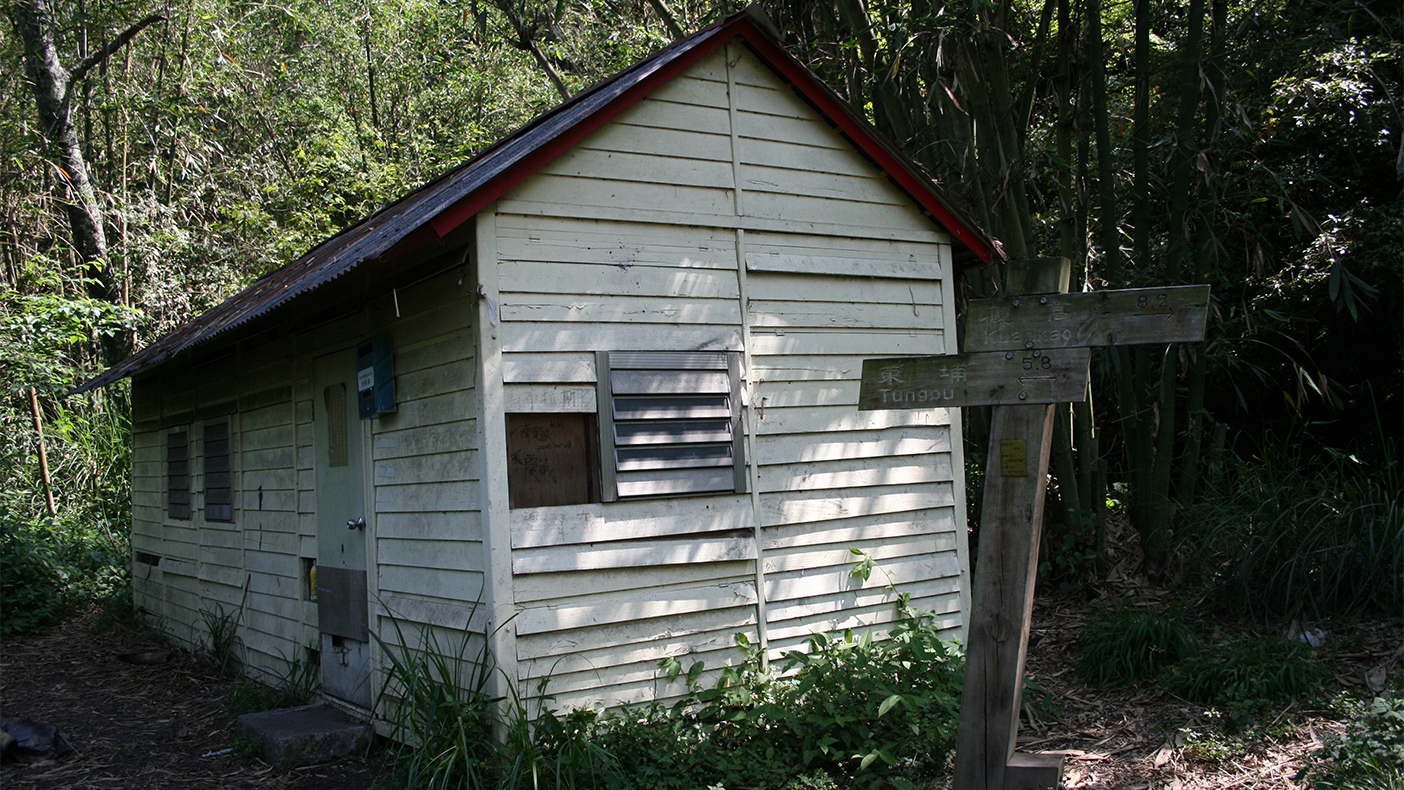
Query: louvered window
(670,424)
(178,474)
(219,490)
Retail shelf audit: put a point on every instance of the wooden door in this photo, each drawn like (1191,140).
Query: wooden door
(342,597)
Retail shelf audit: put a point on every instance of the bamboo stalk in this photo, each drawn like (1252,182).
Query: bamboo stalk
(43,456)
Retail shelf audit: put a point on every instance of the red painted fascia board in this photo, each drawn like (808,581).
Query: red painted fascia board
(828,105)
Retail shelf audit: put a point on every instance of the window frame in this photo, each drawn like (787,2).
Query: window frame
(218,512)
(173,507)
(682,363)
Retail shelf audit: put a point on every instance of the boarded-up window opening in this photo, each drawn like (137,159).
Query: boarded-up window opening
(552,460)
(219,488)
(178,474)
(670,424)
(334,398)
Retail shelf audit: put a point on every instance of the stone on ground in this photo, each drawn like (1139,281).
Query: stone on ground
(308,735)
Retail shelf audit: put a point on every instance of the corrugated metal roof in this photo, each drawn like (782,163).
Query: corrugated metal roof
(432,211)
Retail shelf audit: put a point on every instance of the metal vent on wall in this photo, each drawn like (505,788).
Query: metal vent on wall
(669,423)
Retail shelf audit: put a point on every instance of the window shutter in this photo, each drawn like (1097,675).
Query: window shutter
(669,424)
(178,474)
(219,500)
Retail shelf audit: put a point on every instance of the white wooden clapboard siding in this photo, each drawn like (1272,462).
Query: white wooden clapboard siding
(630,242)
(832,479)
(426,497)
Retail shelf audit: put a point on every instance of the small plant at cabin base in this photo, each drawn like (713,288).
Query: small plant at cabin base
(299,683)
(436,698)
(1369,756)
(1124,645)
(222,633)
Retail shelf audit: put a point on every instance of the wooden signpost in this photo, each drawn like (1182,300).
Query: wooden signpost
(1025,352)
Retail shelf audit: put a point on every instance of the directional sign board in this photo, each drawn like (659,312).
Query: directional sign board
(990,379)
(1095,318)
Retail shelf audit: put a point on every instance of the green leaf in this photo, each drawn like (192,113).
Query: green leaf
(888,704)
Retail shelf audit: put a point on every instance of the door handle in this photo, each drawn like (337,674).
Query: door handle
(356,523)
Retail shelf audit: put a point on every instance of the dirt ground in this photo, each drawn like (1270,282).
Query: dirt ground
(164,726)
(133,726)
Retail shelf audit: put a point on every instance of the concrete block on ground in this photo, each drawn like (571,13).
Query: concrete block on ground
(307,735)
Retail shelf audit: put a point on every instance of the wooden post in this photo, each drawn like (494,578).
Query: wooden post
(43,455)
(1010,521)
(1029,347)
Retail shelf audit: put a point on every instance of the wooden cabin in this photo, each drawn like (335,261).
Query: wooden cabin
(590,396)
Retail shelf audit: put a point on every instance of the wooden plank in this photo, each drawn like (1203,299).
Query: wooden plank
(783,609)
(792,156)
(448,438)
(459,525)
(460,584)
(1011,520)
(433,553)
(849,473)
(914,551)
(858,285)
(1095,318)
(914,268)
(653,518)
(627,278)
(546,587)
(547,367)
(983,379)
(908,440)
(658,112)
(702,626)
(421,497)
(538,619)
(453,376)
(433,468)
(803,507)
(836,211)
(587,160)
(844,342)
(864,189)
(642,553)
(519,337)
(581,191)
(936,524)
(437,409)
(540,205)
(549,398)
(619,309)
(834,419)
(455,615)
(847,315)
(783,394)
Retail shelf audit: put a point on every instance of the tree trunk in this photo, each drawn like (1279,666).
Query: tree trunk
(52,85)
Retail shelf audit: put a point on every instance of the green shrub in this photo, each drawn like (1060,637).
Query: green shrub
(1370,756)
(1289,532)
(34,591)
(1123,645)
(1249,676)
(51,566)
(854,711)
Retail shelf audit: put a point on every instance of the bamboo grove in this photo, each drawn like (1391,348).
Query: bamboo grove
(160,155)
